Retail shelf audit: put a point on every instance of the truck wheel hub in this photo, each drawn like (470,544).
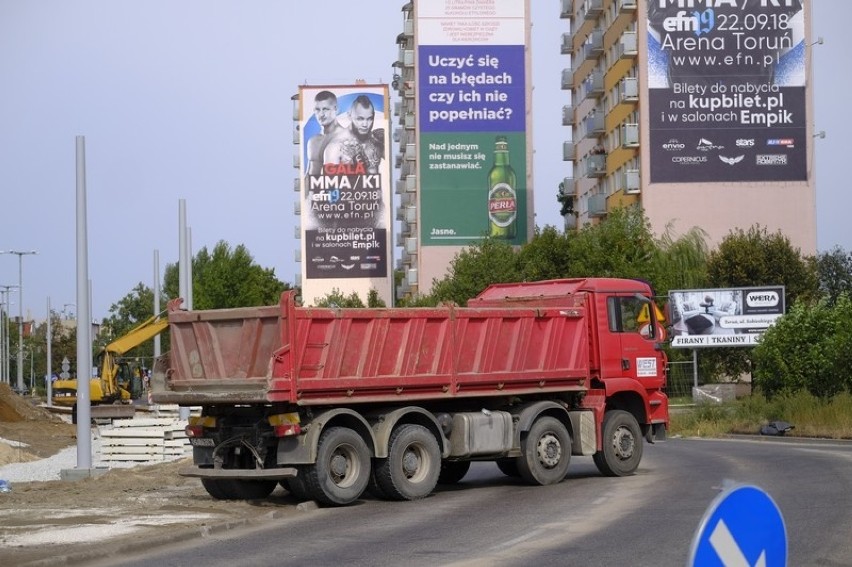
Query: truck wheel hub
(410,463)
(623,443)
(338,466)
(549,450)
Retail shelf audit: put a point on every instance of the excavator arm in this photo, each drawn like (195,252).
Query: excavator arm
(105,388)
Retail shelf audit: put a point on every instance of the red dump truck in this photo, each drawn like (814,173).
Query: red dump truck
(332,402)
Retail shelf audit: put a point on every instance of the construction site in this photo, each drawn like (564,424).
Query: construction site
(138,499)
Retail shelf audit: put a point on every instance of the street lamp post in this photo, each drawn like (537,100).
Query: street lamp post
(20,312)
(5,302)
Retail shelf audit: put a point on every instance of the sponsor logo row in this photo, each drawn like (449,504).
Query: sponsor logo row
(759,159)
(705,145)
(370,263)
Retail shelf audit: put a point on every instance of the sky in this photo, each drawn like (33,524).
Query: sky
(191,100)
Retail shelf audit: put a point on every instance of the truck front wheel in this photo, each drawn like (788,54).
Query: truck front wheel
(546,452)
(413,464)
(622,444)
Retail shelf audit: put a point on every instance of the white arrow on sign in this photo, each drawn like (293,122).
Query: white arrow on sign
(729,552)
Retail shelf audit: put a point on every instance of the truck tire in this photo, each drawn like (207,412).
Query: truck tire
(622,444)
(217,488)
(509,466)
(545,452)
(453,471)
(414,462)
(232,489)
(342,470)
(296,486)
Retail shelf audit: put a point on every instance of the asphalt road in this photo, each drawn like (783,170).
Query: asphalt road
(588,520)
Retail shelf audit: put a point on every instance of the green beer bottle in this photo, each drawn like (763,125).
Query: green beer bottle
(502,198)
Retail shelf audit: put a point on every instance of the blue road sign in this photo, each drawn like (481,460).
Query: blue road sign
(742,528)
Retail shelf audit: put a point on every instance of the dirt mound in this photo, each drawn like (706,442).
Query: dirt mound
(21,421)
(18,454)
(14,408)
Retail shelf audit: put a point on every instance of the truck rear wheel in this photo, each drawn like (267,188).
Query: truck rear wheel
(545,452)
(342,470)
(233,489)
(414,462)
(453,471)
(508,466)
(296,486)
(622,444)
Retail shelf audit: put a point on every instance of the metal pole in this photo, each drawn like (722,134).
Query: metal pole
(84,331)
(2,333)
(21,255)
(185,275)
(695,368)
(157,346)
(49,368)
(4,361)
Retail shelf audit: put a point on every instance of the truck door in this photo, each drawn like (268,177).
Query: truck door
(634,322)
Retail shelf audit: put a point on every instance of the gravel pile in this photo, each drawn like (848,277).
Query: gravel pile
(50,469)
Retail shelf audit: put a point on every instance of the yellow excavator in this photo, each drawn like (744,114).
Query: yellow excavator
(113,383)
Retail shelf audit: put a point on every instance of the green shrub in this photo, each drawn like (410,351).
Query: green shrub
(810,348)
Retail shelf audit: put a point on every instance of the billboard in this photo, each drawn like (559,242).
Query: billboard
(723,317)
(345,190)
(726,85)
(472,114)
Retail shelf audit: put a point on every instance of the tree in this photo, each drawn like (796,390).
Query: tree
(475,268)
(755,258)
(621,246)
(680,263)
(129,312)
(810,348)
(227,278)
(546,256)
(834,270)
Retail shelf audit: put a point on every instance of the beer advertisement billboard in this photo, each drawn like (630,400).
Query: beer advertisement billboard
(726,85)
(472,122)
(723,317)
(346,201)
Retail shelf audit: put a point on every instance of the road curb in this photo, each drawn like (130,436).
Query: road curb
(178,536)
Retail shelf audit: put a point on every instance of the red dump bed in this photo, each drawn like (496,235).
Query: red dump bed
(285,353)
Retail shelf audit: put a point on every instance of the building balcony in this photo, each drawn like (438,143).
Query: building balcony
(569,151)
(597,205)
(592,9)
(567,115)
(410,183)
(567,79)
(628,46)
(297,184)
(567,43)
(593,48)
(629,89)
(596,165)
(631,182)
(567,9)
(630,135)
(593,86)
(626,6)
(595,125)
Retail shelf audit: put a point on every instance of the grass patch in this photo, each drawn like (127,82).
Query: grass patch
(811,416)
